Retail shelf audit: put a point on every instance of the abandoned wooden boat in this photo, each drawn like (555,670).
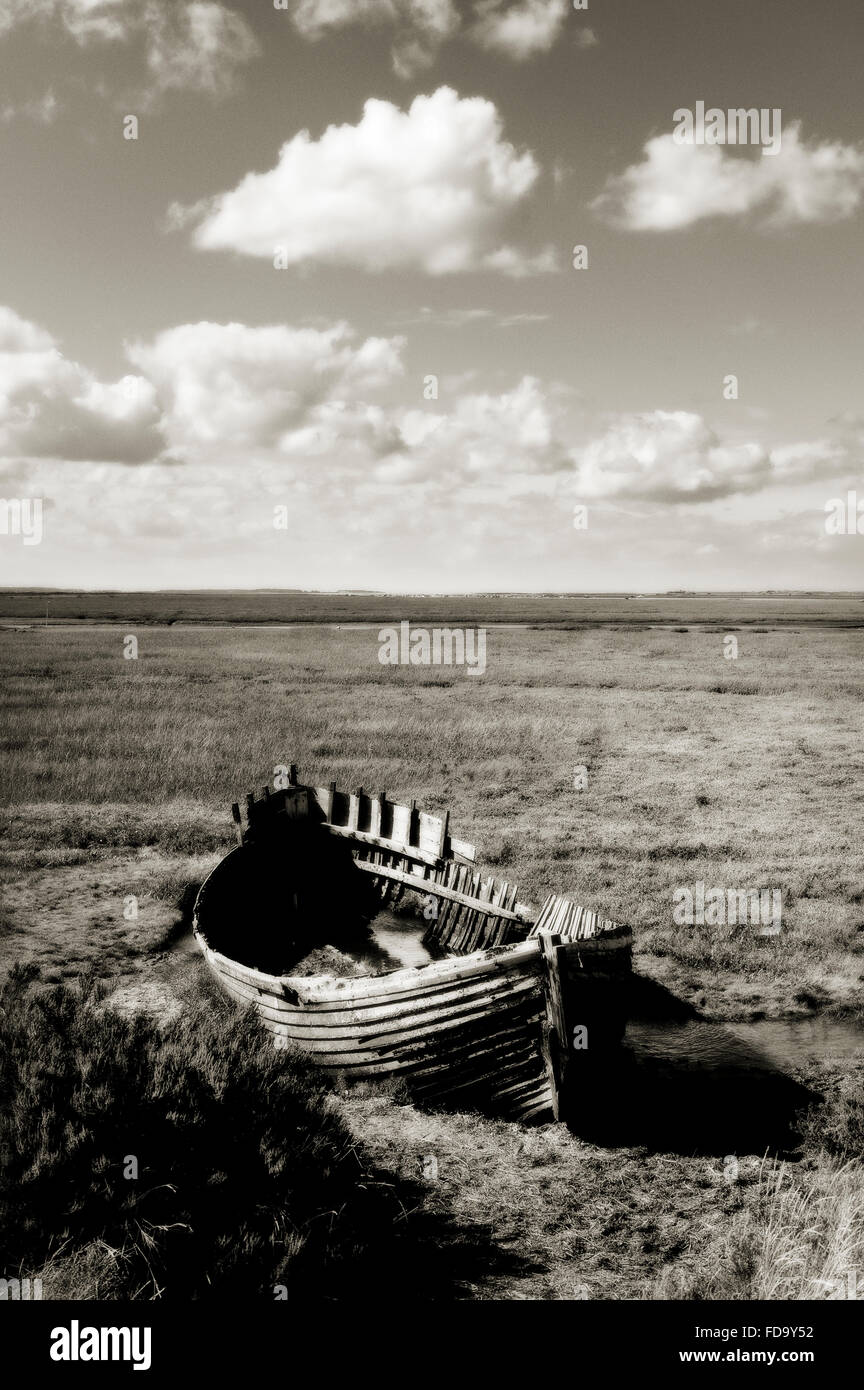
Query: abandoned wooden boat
(490,1026)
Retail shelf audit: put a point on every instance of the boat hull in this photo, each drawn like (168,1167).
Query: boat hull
(467,1031)
(489,1029)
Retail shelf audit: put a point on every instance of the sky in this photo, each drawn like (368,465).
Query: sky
(288,294)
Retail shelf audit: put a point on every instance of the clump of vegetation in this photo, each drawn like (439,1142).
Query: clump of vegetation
(802,1239)
(327,960)
(186,1161)
(836,1126)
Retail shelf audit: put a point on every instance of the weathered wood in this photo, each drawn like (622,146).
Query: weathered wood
(429,885)
(445,828)
(462,849)
(486,1028)
(558,1043)
(364,837)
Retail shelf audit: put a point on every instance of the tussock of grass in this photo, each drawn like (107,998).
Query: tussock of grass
(247,1175)
(836,1127)
(803,1238)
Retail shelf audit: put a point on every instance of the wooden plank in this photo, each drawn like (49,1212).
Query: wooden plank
(557,1044)
(326,993)
(365,838)
(401,824)
(429,833)
(487,893)
(363,1024)
(463,849)
(430,885)
(422,1032)
(445,831)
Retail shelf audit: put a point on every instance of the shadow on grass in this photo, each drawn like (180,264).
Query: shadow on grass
(679,1084)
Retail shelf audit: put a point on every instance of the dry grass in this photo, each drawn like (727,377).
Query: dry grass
(732,773)
(801,1238)
(118,779)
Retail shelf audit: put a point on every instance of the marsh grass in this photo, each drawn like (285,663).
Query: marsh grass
(118,778)
(802,1238)
(247,1175)
(737,773)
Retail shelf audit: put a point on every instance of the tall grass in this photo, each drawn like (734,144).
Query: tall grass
(140,1162)
(803,1238)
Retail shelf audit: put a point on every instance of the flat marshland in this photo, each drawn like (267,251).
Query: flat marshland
(739,773)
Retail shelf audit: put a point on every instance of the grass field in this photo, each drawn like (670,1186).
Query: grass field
(740,773)
(117,781)
(297,606)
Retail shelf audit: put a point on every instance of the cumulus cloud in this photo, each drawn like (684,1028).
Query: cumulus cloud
(235,385)
(227,421)
(429,188)
(229,394)
(196,46)
(53,407)
(19,335)
(482,437)
(675,456)
(522,30)
(676,185)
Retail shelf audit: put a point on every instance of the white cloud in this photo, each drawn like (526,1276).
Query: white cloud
(42,110)
(227,421)
(668,456)
(677,185)
(518,30)
(421,25)
(521,30)
(83,19)
(234,385)
(482,437)
(53,407)
(19,335)
(463,318)
(429,188)
(195,46)
(99,19)
(318,402)
(664,455)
